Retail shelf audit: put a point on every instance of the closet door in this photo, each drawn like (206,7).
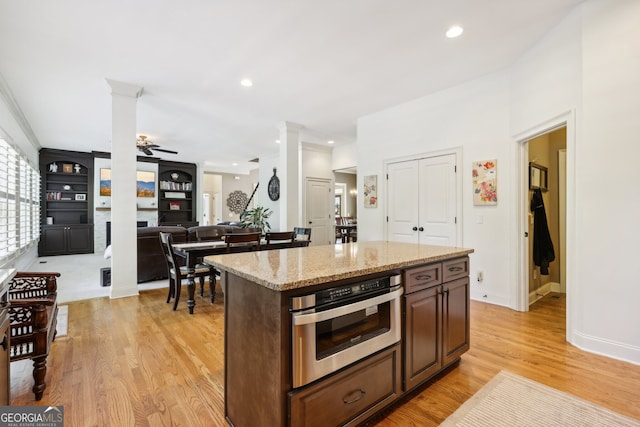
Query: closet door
(437,200)
(402,206)
(422,201)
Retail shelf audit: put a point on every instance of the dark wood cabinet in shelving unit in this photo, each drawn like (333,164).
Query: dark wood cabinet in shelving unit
(176,203)
(66,202)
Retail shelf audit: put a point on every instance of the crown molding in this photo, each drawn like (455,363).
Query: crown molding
(15,110)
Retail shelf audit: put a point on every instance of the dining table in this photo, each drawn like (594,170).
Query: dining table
(194,251)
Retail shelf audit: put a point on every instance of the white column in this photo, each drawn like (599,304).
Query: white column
(124,268)
(290,176)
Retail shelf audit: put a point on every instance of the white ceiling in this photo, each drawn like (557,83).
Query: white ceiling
(318,63)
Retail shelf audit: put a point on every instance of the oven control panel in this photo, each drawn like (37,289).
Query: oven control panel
(334,294)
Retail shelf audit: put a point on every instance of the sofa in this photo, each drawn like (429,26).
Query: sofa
(151,262)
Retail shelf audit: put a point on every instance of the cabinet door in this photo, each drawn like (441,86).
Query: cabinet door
(79,239)
(455,316)
(422,336)
(53,240)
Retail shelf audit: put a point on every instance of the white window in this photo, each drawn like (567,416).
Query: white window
(19,203)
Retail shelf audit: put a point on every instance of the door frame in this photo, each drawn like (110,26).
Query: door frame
(457,152)
(521,156)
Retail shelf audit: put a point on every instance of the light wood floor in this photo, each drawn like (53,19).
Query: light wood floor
(133,361)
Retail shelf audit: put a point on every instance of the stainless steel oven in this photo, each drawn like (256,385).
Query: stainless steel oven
(336,327)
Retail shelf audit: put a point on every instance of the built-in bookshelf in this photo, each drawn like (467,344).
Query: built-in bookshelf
(66,202)
(176,205)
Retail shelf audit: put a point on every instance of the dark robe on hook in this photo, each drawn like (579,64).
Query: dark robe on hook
(543,252)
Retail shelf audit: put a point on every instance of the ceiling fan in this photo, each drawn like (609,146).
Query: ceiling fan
(146,146)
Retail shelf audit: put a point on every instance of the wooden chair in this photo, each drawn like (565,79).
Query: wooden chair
(33,311)
(302,234)
(280,240)
(177,273)
(242,242)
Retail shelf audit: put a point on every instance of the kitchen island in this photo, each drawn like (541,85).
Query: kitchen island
(258,289)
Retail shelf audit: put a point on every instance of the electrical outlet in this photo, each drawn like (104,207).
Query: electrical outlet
(480,276)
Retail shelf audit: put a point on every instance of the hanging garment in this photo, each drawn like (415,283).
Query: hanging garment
(543,252)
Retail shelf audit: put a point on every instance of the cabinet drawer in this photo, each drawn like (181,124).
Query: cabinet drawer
(422,277)
(349,396)
(455,268)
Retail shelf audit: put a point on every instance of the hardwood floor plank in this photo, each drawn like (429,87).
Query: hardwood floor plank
(134,361)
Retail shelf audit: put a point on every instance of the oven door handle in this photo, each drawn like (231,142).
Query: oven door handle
(305,319)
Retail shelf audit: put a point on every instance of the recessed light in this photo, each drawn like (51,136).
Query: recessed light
(329,142)
(454,31)
(246,82)
(234,164)
(277,141)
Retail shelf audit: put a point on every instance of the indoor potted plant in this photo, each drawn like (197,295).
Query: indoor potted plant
(257,218)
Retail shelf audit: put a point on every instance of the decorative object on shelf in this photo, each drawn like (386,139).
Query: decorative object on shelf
(237,201)
(67,168)
(144,145)
(81,197)
(66,187)
(274,187)
(371,191)
(257,218)
(76,168)
(485,182)
(537,177)
(175,176)
(53,167)
(174,195)
(174,206)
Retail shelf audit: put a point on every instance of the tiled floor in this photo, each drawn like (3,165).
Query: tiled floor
(80,276)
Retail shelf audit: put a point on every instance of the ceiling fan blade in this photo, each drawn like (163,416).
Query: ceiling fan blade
(147,151)
(166,151)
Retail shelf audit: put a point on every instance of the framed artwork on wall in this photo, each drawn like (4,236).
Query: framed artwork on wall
(105,182)
(371,191)
(485,182)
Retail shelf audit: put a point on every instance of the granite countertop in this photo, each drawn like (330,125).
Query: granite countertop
(286,269)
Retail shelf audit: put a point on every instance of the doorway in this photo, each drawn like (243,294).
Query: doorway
(547,191)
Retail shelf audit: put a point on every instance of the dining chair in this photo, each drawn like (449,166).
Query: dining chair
(177,273)
(242,242)
(280,239)
(302,234)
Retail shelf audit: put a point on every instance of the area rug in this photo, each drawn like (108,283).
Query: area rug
(511,400)
(62,321)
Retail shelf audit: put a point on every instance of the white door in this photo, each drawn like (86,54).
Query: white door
(438,200)
(402,207)
(320,211)
(206,209)
(422,201)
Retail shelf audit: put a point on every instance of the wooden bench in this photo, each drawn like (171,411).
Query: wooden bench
(33,310)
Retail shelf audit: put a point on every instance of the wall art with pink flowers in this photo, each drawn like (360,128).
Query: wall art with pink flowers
(485,182)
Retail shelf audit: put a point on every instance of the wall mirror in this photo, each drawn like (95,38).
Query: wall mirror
(537,177)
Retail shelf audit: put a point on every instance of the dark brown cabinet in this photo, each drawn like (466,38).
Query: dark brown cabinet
(351,396)
(436,318)
(176,204)
(67,239)
(66,202)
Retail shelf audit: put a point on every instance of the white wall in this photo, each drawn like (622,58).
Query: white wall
(472,116)
(345,156)
(588,66)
